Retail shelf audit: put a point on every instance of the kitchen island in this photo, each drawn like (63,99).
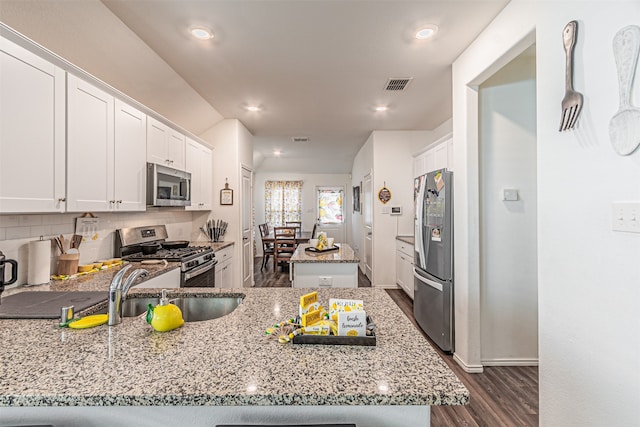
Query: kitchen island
(224,370)
(336,268)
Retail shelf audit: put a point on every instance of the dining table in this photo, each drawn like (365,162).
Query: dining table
(301,237)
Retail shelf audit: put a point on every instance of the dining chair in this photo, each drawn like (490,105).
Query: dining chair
(313,232)
(267,247)
(297,224)
(284,245)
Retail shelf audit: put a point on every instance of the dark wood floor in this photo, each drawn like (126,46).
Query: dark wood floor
(500,396)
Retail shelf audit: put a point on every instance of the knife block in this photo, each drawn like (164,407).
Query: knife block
(68,264)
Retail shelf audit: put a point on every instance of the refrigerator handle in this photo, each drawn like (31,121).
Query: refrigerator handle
(419,242)
(426,281)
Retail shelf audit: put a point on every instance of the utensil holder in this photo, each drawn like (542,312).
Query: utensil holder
(68,264)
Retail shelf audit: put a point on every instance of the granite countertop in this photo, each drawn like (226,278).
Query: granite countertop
(216,246)
(406,239)
(225,361)
(95,281)
(343,255)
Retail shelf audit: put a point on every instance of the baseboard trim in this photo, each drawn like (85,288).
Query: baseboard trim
(510,362)
(471,369)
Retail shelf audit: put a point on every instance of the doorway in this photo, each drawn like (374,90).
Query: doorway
(367,215)
(247,227)
(507,179)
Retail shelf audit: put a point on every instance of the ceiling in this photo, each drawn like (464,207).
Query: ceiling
(316,69)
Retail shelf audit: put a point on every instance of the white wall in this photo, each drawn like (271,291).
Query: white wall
(362,165)
(588,275)
(310,182)
(390,155)
(508,232)
(232,147)
(16,231)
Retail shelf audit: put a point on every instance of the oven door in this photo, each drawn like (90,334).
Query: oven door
(202,276)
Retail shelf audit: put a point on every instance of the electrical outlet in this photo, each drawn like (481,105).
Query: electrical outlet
(325,281)
(625,216)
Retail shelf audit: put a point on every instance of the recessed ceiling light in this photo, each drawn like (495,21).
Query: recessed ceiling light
(381,108)
(253,108)
(201,33)
(277,153)
(426,32)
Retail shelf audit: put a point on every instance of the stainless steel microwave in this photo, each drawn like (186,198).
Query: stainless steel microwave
(167,186)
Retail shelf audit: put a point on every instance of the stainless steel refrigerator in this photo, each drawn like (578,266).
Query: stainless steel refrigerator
(433,270)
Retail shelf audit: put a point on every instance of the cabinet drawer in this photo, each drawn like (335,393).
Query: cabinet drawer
(223,254)
(405,248)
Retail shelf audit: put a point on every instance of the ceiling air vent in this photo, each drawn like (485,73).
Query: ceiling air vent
(300,139)
(395,84)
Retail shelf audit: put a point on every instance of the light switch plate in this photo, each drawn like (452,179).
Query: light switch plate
(510,195)
(625,216)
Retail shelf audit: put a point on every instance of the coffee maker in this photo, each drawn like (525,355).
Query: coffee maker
(14,271)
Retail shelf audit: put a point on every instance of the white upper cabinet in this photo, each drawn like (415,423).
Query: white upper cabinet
(32,132)
(90,147)
(439,156)
(130,171)
(165,146)
(199,163)
(106,151)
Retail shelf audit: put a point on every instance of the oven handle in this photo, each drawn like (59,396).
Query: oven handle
(200,270)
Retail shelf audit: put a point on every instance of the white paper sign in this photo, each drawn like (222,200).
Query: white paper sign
(352,323)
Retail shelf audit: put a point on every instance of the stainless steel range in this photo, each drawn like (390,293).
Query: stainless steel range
(198,263)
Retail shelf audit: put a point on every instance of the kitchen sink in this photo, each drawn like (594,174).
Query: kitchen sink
(194,309)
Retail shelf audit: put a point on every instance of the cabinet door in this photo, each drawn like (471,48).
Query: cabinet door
(176,149)
(157,142)
(418,165)
(399,270)
(130,166)
(441,155)
(198,163)
(89,147)
(206,183)
(32,132)
(193,165)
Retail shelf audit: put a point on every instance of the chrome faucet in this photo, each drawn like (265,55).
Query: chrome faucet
(118,292)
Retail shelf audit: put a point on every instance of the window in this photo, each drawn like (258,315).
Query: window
(330,205)
(282,202)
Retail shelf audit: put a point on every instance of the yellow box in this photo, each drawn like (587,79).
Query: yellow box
(307,299)
(311,318)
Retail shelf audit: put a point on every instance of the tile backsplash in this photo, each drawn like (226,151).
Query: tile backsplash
(16,231)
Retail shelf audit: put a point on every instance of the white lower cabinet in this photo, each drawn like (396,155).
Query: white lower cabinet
(404,266)
(170,279)
(32,132)
(325,275)
(224,268)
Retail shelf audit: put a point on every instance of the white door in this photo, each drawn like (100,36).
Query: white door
(247,227)
(90,151)
(130,165)
(367,201)
(32,131)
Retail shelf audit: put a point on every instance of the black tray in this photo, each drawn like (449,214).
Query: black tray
(368,340)
(319,251)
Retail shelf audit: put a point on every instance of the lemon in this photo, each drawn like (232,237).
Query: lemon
(165,317)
